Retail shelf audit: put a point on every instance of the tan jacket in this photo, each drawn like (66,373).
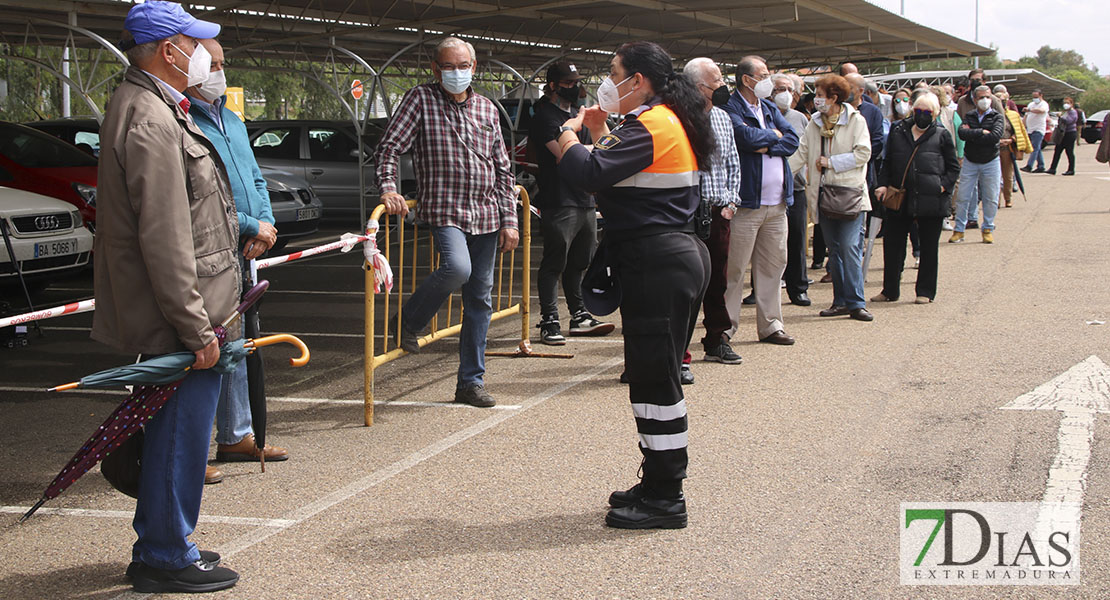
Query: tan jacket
(165,269)
(851,143)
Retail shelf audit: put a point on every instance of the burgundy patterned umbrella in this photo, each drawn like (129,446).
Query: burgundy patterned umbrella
(140,406)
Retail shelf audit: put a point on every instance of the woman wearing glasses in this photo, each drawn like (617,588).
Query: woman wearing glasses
(921,159)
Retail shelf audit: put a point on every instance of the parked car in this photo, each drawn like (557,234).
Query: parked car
(326,154)
(37,162)
(79,131)
(1092,128)
(1050,126)
(296,208)
(48,238)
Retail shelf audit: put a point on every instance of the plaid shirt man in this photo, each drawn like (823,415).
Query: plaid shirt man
(463,174)
(721,184)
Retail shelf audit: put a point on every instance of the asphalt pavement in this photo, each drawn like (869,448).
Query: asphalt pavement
(799,457)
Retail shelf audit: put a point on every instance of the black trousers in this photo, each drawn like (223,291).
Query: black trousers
(569,240)
(820,250)
(663,278)
(1066,145)
(716,320)
(795,274)
(896,228)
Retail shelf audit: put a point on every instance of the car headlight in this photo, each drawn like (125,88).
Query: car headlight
(87,193)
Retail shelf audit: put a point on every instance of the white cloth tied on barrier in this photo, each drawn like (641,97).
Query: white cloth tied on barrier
(383,273)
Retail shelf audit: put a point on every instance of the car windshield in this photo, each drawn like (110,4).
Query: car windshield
(38,150)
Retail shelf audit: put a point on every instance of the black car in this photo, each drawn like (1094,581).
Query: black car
(1092,127)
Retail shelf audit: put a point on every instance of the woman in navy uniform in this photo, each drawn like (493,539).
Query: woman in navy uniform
(645,176)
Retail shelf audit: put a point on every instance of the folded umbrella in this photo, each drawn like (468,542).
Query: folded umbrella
(156,380)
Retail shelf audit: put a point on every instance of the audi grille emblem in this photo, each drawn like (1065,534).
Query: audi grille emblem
(47,223)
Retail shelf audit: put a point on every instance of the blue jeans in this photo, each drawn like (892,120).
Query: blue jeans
(175,454)
(233,412)
(464,260)
(988,178)
(845,241)
(1037,137)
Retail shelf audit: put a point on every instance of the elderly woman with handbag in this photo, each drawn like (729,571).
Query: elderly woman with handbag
(915,184)
(836,147)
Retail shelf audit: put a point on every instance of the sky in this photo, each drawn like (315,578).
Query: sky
(1018,27)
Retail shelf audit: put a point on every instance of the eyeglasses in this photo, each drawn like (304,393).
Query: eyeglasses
(451,67)
(919,111)
(901,99)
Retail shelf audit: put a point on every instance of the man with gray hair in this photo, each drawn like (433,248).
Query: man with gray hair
(981,131)
(720,186)
(787,93)
(465,192)
(165,276)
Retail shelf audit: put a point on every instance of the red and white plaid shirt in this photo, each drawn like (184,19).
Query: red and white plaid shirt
(464,178)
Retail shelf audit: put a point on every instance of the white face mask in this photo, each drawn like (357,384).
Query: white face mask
(983,103)
(821,104)
(1067,106)
(902,108)
(200,65)
(456,81)
(215,87)
(782,100)
(764,88)
(608,96)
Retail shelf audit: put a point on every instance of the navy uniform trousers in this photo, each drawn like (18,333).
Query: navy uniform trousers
(663,278)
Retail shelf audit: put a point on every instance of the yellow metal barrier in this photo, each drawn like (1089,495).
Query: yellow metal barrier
(405,275)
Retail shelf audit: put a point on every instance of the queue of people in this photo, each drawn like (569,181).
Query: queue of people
(697,185)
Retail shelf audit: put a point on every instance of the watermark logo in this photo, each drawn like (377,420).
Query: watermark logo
(988,543)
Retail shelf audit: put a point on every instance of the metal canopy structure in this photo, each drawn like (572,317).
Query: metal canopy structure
(526,33)
(1019,82)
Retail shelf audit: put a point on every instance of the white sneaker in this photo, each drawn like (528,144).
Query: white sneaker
(947,225)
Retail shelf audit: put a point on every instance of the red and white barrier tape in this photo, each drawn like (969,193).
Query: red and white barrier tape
(383,274)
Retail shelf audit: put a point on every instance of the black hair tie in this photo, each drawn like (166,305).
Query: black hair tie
(672,76)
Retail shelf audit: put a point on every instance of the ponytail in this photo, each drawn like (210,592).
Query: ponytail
(677,91)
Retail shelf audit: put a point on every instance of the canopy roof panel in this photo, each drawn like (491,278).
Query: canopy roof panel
(527,33)
(1019,82)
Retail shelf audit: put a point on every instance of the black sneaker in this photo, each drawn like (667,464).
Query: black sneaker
(475,395)
(649,513)
(550,332)
(195,578)
(1027,169)
(410,340)
(972,224)
(583,323)
(723,353)
(685,375)
(749,299)
(207,556)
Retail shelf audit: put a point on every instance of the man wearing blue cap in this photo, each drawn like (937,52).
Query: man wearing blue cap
(166,273)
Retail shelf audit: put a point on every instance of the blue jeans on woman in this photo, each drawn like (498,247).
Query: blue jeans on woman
(844,237)
(175,455)
(465,260)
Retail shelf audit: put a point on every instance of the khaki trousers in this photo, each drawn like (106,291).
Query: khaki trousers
(758,236)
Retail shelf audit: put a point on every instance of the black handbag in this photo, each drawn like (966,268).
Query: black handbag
(840,202)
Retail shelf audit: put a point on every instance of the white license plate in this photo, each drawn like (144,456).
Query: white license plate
(304,214)
(56,248)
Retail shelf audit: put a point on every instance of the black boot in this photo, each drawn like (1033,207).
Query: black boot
(649,513)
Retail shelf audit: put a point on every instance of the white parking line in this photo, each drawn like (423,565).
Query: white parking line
(389,471)
(388,403)
(43,390)
(130,514)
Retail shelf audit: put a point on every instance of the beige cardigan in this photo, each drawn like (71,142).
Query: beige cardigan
(849,153)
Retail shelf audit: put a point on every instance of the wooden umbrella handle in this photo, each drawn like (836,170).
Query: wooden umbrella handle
(282,338)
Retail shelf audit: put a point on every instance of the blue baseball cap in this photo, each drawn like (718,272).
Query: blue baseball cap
(154,20)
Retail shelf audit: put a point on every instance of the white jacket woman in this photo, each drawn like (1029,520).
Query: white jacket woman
(842,130)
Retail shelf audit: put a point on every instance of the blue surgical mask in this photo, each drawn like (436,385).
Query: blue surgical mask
(456,81)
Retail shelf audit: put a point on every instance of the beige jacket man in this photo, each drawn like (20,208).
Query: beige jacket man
(165,265)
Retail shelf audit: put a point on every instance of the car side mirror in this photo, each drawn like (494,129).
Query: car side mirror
(354,153)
